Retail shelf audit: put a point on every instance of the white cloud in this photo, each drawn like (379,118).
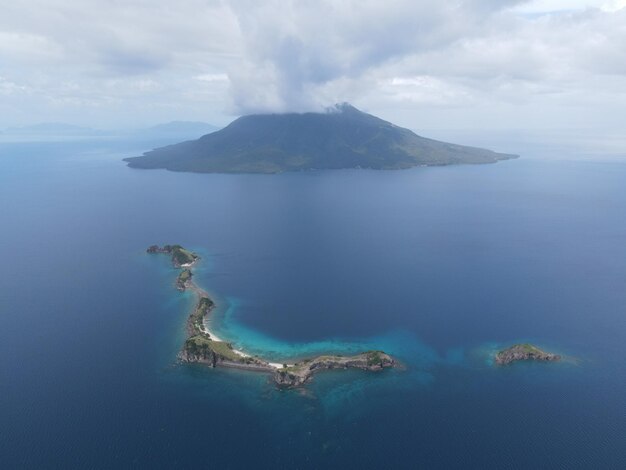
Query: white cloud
(212,77)
(8,87)
(545,6)
(140,60)
(292,48)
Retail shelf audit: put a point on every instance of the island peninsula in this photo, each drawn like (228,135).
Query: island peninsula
(205,347)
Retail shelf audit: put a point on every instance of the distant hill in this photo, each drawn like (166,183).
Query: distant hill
(343,137)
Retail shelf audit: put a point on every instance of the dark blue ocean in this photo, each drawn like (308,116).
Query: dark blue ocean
(437,266)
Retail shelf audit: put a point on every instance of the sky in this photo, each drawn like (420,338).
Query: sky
(459,64)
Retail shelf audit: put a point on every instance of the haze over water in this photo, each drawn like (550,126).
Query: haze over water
(437,266)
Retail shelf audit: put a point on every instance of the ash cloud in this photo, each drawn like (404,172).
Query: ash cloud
(302,55)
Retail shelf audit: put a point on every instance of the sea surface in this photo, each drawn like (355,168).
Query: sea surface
(438,266)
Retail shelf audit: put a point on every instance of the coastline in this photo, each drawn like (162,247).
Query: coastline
(203,346)
(201,293)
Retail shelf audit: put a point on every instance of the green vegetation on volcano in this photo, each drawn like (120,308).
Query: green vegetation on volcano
(342,137)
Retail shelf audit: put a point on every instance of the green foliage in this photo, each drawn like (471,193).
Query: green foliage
(205,304)
(374,358)
(201,346)
(528,348)
(184,275)
(198,347)
(182,256)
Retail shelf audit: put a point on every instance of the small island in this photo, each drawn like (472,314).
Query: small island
(181,258)
(183,281)
(524,352)
(205,347)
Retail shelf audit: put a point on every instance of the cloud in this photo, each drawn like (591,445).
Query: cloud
(8,87)
(293,48)
(614,5)
(212,77)
(450,51)
(141,61)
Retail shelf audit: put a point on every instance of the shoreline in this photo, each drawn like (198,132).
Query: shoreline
(201,293)
(203,346)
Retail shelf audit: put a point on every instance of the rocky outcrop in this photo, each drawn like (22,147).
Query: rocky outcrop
(192,352)
(298,374)
(524,352)
(202,349)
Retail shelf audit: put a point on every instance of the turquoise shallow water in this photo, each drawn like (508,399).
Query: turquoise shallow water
(438,266)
